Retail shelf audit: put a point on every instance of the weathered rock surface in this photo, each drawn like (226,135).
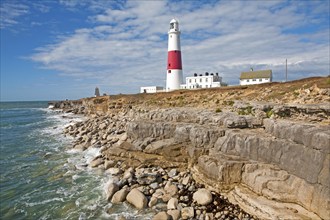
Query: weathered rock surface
(137,199)
(264,155)
(187,213)
(162,216)
(172,203)
(120,196)
(112,189)
(202,197)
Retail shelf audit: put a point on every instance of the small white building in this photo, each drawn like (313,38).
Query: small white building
(151,89)
(256,77)
(202,81)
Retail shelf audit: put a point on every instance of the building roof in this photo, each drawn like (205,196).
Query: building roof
(256,74)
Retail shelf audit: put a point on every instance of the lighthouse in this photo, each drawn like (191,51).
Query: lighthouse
(174,77)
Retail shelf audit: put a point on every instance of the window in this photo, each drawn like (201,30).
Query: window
(171,25)
(260,80)
(247,80)
(200,80)
(189,80)
(195,80)
(254,80)
(206,79)
(206,86)
(169,71)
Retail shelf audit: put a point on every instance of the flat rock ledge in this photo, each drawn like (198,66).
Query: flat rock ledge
(192,164)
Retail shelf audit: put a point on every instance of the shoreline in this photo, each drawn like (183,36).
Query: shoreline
(166,190)
(260,155)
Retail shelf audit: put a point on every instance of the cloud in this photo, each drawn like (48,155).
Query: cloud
(10,11)
(127,46)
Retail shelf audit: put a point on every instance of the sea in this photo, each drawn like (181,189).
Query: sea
(42,177)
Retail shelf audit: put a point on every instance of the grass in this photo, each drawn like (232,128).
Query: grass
(218,110)
(269,113)
(230,102)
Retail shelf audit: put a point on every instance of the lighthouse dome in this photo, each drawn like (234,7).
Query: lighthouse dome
(174,25)
(174,21)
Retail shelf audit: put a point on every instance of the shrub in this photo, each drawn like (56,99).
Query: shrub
(269,113)
(218,110)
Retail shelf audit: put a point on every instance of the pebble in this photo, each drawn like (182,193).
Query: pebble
(168,191)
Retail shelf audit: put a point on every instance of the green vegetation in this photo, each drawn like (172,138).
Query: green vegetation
(230,102)
(245,111)
(328,81)
(218,110)
(296,93)
(269,113)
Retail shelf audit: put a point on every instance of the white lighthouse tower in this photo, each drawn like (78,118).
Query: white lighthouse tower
(174,77)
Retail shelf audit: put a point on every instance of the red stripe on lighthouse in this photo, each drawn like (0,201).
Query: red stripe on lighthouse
(174,60)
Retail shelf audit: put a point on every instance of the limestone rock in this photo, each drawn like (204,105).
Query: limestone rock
(162,216)
(203,197)
(187,213)
(147,178)
(172,203)
(171,188)
(108,164)
(119,196)
(186,180)
(153,201)
(97,162)
(172,173)
(112,189)
(174,213)
(137,199)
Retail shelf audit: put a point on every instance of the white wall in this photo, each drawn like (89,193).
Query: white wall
(254,81)
(151,89)
(194,82)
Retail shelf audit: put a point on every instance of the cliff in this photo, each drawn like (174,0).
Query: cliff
(266,147)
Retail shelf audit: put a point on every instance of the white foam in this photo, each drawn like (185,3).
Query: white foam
(91,153)
(44,202)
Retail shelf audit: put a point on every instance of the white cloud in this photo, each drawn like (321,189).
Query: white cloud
(127,47)
(10,11)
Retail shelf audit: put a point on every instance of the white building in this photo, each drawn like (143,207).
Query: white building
(151,89)
(202,81)
(256,77)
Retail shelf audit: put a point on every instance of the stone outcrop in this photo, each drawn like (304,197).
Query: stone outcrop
(272,159)
(137,199)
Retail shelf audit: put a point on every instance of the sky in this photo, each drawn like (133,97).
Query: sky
(63,49)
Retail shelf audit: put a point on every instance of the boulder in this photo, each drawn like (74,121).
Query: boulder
(112,189)
(97,162)
(171,189)
(186,180)
(172,203)
(128,173)
(147,178)
(114,171)
(108,164)
(153,201)
(187,213)
(174,213)
(137,199)
(202,197)
(119,196)
(162,216)
(154,185)
(172,173)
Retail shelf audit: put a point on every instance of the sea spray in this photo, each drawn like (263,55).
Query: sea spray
(41,176)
